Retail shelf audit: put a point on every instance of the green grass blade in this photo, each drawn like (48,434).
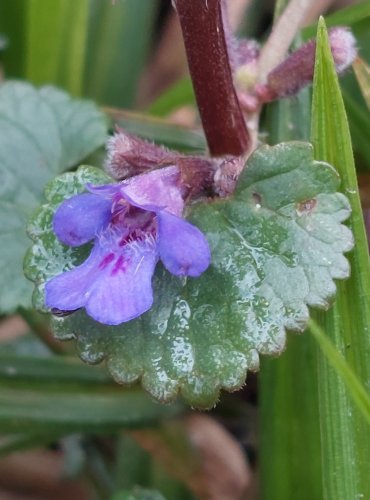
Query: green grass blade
(119,37)
(346,453)
(158,130)
(179,94)
(52,396)
(13,19)
(343,369)
(53,369)
(36,408)
(290,438)
(56,43)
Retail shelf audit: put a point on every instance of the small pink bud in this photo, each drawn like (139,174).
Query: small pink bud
(297,70)
(343,47)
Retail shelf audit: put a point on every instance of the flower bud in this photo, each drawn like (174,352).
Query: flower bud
(129,155)
(343,47)
(297,70)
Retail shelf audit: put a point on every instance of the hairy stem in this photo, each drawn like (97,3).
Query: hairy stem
(206,48)
(282,35)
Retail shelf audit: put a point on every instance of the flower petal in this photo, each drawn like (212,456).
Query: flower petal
(113,286)
(155,190)
(124,291)
(69,291)
(80,218)
(182,247)
(106,190)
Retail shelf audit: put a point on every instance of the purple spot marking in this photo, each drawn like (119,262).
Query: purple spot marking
(120,265)
(106,261)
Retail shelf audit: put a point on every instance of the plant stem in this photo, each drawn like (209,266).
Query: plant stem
(209,64)
(282,35)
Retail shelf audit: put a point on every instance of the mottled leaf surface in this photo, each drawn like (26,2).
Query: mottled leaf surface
(277,245)
(42,133)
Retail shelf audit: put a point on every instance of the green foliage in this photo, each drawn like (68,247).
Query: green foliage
(180,94)
(160,131)
(53,396)
(357,17)
(276,247)
(56,410)
(42,133)
(345,453)
(61,59)
(357,391)
(90,47)
(288,399)
(119,37)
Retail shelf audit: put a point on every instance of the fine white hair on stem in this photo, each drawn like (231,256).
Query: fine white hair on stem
(282,35)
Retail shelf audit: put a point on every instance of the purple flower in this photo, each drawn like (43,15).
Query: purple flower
(133,224)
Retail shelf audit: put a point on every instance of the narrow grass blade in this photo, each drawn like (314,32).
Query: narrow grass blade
(290,437)
(13,21)
(179,94)
(345,452)
(16,368)
(56,396)
(118,40)
(158,130)
(56,42)
(343,369)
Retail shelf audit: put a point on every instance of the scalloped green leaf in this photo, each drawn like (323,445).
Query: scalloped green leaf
(42,133)
(277,245)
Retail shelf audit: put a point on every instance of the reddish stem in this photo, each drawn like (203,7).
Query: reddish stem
(206,49)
